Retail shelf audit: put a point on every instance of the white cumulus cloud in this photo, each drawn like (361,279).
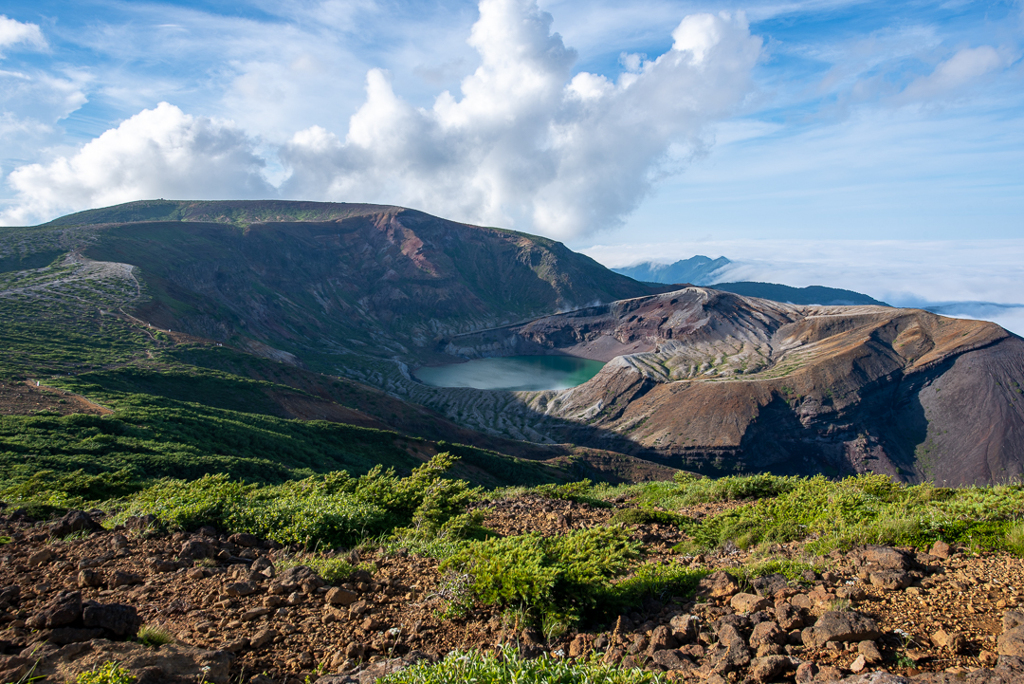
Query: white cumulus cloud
(14,32)
(160,152)
(527,143)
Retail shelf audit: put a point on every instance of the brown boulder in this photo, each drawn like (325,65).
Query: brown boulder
(65,609)
(886,558)
(116,618)
(749,603)
(840,626)
(718,584)
(74,521)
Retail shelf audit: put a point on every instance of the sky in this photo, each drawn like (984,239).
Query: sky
(872,145)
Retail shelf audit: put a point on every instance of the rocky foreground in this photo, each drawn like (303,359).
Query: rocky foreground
(74,595)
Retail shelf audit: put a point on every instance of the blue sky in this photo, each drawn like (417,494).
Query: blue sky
(628,130)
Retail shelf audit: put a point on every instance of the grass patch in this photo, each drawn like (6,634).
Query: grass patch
(508,667)
(332,569)
(153,637)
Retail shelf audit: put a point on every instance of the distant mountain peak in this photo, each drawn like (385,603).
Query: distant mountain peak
(697,270)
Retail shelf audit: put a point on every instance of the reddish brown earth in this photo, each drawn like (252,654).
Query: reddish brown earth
(25,398)
(235,608)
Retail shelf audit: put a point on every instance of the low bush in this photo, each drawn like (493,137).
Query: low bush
(109,672)
(323,510)
(556,579)
(508,667)
(870,509)
(655,581)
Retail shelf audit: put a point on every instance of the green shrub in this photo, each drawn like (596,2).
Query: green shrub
(649,581)
(508,667)
(869,509)
(332,510)
(108,673)
(555,578)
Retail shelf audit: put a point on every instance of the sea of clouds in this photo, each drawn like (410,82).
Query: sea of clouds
(966,279)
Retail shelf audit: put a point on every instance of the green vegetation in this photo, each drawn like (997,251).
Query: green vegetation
(866,509)
(555,579)
(509,667)
(331,510)
(108,673)
(153,637)
(333,569)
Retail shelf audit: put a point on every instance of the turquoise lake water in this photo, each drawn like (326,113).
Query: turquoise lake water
(515,373)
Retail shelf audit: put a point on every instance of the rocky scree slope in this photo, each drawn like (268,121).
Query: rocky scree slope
(713,381)
(240,608)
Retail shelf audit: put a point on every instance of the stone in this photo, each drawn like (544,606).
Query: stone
(244,539)
(891,581)
(769,585)
(10,596)
(805,673)
(770,667)
(254,613)
(263,567)
(886,557)
(827,673)
(661,639)
(840,626)
(91,578)
(953,642)
(117,618)
(73,635)
(789,617)
(63,610)
(264,638)
(749,603)
(718,584)
(869,649)
(74,521)
(337,596)
(197,549)
(162,565)
(578,646)
(672,659)
(121,578)
(685,628)
(1011,642)
(1011,619)
(853,593)
(859,663)
(767,633)
(802,601)
(41,557)
(241,589)
(941,549)
(988,659)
